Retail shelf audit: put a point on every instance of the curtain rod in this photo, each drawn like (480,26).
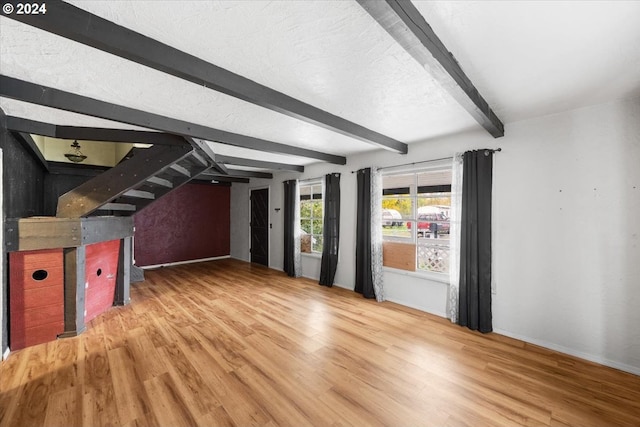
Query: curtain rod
(488,150)
(319,178)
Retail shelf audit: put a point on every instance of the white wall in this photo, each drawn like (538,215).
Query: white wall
(239,226)
(567,223)
(98,153)
(119,151)
(566,208)
(39,140)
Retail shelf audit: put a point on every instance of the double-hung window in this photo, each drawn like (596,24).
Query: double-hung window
(311,216)
(415,219)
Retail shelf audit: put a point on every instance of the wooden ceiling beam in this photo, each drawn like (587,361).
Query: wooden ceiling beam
(21,90)
(73,23)
(408,27)
(92,134)
(237,161)
(249,174)
(222,178)
(236,173)
(18,124)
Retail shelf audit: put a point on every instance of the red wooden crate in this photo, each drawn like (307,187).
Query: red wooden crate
(38,334)
(36,297)
(42,315)
(101,271)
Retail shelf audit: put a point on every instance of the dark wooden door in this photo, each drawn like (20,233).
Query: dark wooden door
(260,226)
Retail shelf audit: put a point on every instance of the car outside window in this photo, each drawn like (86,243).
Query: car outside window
(415,212)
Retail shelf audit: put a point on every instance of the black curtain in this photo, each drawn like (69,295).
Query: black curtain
(330,230)
(289,226)
(475,242)
(364,276)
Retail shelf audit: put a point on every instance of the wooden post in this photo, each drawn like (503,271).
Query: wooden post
(123,280)
(74,290)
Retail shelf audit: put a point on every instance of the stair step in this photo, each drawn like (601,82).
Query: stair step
(180,169)
(199,158)
(117,207)
(160,181)
(140,194)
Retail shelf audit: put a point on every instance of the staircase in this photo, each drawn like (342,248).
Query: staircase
(136,182)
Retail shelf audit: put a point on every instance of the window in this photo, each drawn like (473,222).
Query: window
(311,215)
(415,220)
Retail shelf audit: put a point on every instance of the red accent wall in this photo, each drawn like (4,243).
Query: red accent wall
(189,223)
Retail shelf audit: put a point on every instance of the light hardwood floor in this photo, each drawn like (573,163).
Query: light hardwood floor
(228,343)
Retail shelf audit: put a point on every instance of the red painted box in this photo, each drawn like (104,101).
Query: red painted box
(101,271)
(36,297)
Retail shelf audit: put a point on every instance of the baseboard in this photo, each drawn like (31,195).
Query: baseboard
(416,307)
(191,261)
(6,353)
(338,285)
(582,355)
(396,301)
(74,333)
(335,285)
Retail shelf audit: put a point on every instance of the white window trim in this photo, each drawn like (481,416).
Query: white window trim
(312,254)
(421,274)
(441,165)
(312,182)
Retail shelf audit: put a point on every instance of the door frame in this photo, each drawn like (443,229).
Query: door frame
(3,321)
(268,188)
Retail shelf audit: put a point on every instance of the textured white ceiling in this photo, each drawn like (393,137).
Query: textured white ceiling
(330,54)
(39,57)
(532,58)
(526,58)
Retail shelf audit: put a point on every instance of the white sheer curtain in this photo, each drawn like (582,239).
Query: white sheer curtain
(376,233)
(454,237)
(297,232)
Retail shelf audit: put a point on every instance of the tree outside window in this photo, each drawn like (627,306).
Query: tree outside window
(311,217)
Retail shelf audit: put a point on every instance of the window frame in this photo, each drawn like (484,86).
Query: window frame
(415,195)
(312,183)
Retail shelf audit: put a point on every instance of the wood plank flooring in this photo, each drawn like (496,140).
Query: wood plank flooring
(228,343)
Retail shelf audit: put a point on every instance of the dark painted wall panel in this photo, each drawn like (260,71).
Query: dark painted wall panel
(189,223)
(23,178)
(59,182)
(57,185)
